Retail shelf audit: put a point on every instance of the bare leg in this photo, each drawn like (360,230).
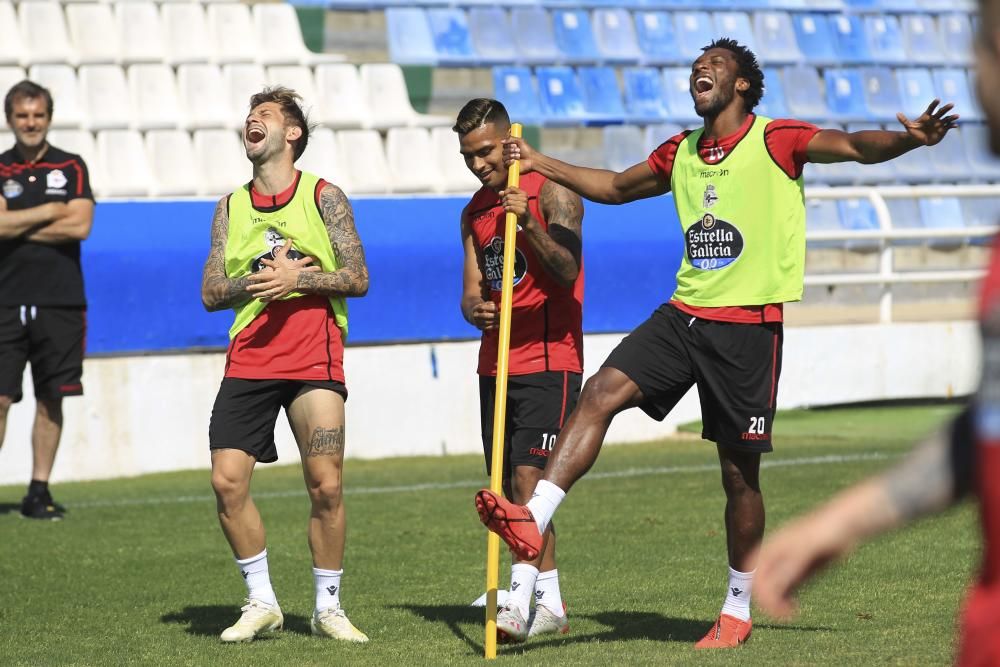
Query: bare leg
(238,515)
(744,505)
(45,437)
(5,403)
(525,479)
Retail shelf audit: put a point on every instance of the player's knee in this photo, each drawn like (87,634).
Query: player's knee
(736,481)
(525,479)
(599,396)
(326,494)
(5,403)
(229,489)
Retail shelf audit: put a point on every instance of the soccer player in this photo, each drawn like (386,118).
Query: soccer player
(46,210)
(284,255)
(546,346)
(737,186)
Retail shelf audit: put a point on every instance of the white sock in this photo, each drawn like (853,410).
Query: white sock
(737,602)
(327,588)
(522,586)
(547,592)
(254,571)
(543,503)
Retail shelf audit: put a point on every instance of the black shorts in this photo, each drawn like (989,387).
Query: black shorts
(736,368)
(51,339)
(245,412)
(537,407)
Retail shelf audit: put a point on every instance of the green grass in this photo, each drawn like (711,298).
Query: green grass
(139,573)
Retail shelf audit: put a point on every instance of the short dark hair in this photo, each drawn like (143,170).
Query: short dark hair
(749,69)
(26,89)
(291,108)
(479,112)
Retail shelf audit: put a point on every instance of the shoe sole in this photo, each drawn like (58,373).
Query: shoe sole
(738,644)
(494,517)
(41,518)
(249,639)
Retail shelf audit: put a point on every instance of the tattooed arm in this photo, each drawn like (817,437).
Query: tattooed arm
(217,291)
(559,247)
(351,279)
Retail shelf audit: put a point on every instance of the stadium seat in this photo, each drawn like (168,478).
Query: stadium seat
(624,146)
(534,38)
(694,31)
(677,92)
(123,159)
(298,78)
(454,176)
(241,81)
(409,35)
(450,29)
(804,94)
(916,90)
(62,83)
(408,151)
(515,87)
(153,93)
(204,99)
(949,160)
(44,37)
(92,31)
(657,133)
(850,39)
(140,32)
(322,157)
(735,25)
(904,213)
(885,39)
(858,214)
(845,94)
(822,216)
(560,94)
(881,93)
(602,97)
(231,33)
(644,98)
(772,104)
(882,172)
(389,101)
(956,38)
(921,40)
(657,37)
(11,49)
(815,38)
(985,165)
(776,43)
(490,30)
(341,101)
(185,33)
(952,85)
(367,160)
(9,75)
(614,34)
(280,37)
(79,142)
(980,211)
(574,36)
(942,213)
(221,161)
(104,96)
(171,158)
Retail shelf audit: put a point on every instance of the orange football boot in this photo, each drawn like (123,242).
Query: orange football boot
(513,523)
(728,632)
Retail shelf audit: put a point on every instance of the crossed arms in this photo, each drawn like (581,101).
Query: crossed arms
(54,222)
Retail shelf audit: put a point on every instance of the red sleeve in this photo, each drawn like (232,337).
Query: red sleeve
(787,142)
(317,193)
(661,161)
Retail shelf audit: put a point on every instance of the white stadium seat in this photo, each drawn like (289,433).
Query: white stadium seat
(140,32)
(299,79)
(153,92)
(202,95)
(172,161)
(454,176)
(10,75)
(93,32)
(82,143)
(61,81)
(362,150)
(104,97)
(231,33)
(389,101)
(185,34)
(408,151)
(241,81)
(322,157)
(126,169)
(6,140)
(11,49)
(279,37)
(341,101)
(222,161)
(43,33)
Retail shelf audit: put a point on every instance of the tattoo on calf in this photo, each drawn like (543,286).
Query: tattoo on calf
(326,442)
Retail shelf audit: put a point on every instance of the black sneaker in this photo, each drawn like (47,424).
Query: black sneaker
(41,507)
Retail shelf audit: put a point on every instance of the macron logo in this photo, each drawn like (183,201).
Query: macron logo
(514,585)
(332,590)
(244,573)
(736,591)
(539,595)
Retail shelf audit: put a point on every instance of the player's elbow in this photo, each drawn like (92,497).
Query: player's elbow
(361,285)
(568,276)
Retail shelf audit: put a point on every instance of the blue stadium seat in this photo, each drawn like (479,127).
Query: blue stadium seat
(534,39)
(845,94)
(574,35)
(956,38)
(561,95)
(490,30)
(815,39)
(515,87)
(885,39)
(450,29)
(980,212)
(822,216)
(804,94)
(949,160)
(602,98)
(904,213)
(409,35)
(694,31)
(942,213)
(776,43)
(657,133)
(916,90)
(677,91)
(850,39)
(858,214)
(644,98)
(882,172)
(623,147)
(657,39)
(614,34)
(881,93)
(985,165)
(921,39)
(952,85)
(773,104)
(735,25)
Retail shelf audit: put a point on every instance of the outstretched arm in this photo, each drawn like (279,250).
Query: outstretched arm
(217,291)
(873,146)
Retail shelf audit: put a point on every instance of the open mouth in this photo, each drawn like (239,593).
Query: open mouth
(255,134)
(703,85)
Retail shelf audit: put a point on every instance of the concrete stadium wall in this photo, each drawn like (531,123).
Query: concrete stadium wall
(150,413)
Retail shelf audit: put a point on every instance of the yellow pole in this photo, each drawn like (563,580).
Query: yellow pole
(500,407)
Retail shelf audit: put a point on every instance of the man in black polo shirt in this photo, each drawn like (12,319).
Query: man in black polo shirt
(46,210)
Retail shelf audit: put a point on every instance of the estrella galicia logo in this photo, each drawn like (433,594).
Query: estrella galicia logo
(12,189)
(713,244)
(493,264)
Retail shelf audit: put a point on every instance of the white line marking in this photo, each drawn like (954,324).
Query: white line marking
(479,483)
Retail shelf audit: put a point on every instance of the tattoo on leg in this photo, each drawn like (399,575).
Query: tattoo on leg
(326,442)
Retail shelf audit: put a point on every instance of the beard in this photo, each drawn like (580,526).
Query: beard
(714,106)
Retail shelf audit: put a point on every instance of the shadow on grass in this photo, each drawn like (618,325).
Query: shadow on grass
(10,508)
(451,615)
(211,620)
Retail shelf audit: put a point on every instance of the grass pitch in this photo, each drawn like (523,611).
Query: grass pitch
(139,572)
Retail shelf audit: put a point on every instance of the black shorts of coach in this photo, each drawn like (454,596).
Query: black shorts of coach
(52,340)
(735,366)
(538,405)
(246,411)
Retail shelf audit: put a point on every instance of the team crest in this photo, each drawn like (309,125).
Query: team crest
(55,179)
(273,240)
(12,189)
(710,197)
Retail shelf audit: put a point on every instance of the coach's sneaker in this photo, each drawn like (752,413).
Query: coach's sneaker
(544,621)
(511,626)
(513,523)
(258,617)
(41,507)
(728,632)
(333,623)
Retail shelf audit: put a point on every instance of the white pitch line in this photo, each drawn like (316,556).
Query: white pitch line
(475,484)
